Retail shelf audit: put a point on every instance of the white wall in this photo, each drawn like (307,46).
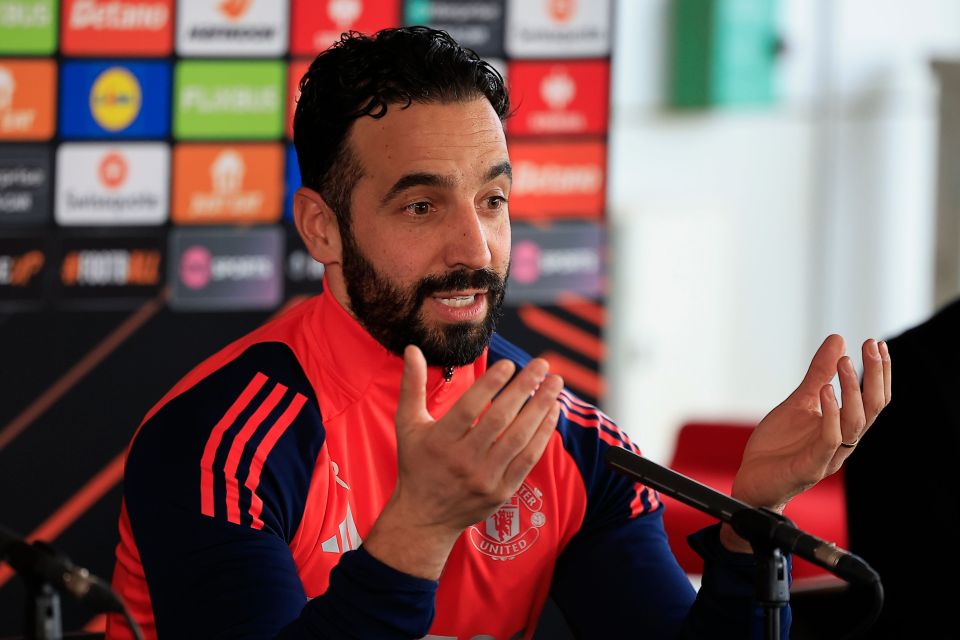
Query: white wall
(741,238)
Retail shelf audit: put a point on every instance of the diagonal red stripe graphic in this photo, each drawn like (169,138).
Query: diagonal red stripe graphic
(562,332)
(237,446)
(213,442)
(86,364)
(583,308)
(575,375)
(76,506)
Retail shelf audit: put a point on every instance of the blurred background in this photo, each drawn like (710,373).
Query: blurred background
(704,190)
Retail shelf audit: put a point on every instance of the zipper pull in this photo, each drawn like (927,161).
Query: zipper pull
(447,374)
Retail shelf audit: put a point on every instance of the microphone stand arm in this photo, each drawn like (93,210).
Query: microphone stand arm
(758,526)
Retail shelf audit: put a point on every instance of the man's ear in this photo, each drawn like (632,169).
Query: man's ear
(317,225)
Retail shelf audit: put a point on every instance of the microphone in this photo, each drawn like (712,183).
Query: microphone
(39,563)
(760,527)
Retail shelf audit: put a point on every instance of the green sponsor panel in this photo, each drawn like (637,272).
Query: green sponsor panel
(237,100)
(724,53)
(28,26)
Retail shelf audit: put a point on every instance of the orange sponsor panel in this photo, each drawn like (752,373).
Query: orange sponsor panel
(27,99)
(558,180)
(227,184)
(117,27)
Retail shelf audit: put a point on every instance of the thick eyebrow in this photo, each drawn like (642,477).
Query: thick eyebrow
(416,180)
(502,169)
(421,179)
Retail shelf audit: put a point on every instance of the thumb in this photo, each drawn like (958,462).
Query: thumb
(412,404)
(823,367)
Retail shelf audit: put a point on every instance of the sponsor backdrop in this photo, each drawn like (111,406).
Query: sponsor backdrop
(146,180)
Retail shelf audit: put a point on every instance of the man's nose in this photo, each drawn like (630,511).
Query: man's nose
(466,244)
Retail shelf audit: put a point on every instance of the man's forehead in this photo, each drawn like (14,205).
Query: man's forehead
(456,140)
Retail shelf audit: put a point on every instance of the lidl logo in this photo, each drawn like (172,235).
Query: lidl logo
(239,100)
(115,99)
(558,29)
(117,27)
(317,24)
(28,26)
(232,28)
(112,184)
(560,98)
(27,89)
(125,100)
(220,184)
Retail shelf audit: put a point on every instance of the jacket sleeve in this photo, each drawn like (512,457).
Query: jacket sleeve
(215,486)
(618,576)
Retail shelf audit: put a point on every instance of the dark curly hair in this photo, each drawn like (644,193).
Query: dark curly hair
(364,75)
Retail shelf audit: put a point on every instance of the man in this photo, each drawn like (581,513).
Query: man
(377,463)
(910,461)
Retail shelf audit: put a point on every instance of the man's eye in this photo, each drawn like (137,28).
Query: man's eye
(418,208)
(496,202)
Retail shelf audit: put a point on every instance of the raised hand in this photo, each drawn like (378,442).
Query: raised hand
(809,435)
(457,470)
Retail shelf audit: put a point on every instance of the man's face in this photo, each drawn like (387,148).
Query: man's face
(427,254)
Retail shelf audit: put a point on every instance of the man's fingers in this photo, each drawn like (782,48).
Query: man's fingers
(830,410)
(852,417)
(509,403)
(524,461)
(887,372)
(412,404)
(475,400)
(874,393)
(823,366)
(514,439)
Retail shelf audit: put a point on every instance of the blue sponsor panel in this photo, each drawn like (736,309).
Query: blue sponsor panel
(293,181)
(115,99)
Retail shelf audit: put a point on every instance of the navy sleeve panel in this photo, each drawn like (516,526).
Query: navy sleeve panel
(729,580)
(623,581)
(361,585)
(215,486)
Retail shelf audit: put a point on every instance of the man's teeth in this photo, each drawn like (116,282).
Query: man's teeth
(458,301)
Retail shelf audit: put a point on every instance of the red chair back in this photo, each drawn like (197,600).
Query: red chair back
(710,452)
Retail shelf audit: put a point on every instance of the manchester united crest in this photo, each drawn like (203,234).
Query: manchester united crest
(513,528)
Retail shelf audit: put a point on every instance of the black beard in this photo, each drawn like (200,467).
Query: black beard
(392,315)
